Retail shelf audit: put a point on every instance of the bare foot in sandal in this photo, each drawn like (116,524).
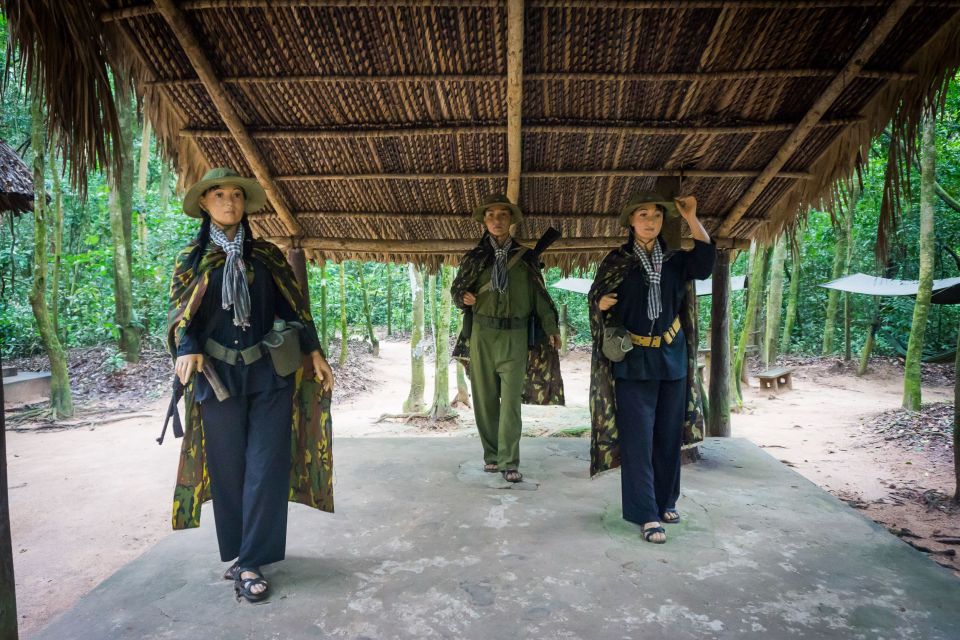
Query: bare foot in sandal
(653,532)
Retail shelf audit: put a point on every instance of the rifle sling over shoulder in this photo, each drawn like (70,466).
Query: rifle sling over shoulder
(514,259)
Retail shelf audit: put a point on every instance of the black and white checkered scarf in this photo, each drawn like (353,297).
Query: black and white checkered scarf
(235,291)
(498,276)
(652,265)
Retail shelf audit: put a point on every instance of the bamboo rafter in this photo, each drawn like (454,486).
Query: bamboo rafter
(842,80)
(646,128)
(613,173)
(666,76)
(514,98)
(639,5)
(191,46)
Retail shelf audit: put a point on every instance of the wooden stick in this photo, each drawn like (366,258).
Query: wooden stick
(665,76)
(646,128)
(847,75)
(177,21)
(718,422)
(451,246)
(514,98)
(614,173)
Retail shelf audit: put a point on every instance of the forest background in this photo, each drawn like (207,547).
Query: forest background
(351,299)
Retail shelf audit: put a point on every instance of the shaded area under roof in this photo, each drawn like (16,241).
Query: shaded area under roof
(16,182)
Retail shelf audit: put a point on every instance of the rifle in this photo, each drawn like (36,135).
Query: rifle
(215,383)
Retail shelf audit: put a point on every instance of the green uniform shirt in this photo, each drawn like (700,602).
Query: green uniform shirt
(518,301)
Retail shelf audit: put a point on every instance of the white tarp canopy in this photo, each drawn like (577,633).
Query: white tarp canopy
(871,285)
(704,287)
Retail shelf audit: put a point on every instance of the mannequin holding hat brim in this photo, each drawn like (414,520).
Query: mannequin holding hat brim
(645,406)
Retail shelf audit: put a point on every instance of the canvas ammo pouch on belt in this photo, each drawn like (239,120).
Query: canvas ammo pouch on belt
(616,341)
(283,344)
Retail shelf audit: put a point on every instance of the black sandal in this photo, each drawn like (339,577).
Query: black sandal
(512,475)
(671,516)
(490,467)
(650,532)
(231,573)
(243,586)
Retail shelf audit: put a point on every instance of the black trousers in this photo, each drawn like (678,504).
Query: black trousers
(650,422)
(248,458)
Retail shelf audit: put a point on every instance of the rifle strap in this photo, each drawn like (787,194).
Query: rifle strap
(514,259)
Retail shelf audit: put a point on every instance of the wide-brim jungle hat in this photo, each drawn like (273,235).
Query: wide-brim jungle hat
(254,195)
(497,200)
(647,197)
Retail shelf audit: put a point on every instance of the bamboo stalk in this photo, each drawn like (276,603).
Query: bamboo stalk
(840,82)
(613,173)
(514,98)
(453,246)
(178,23)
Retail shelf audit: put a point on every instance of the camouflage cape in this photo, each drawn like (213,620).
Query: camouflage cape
(311,462)
(543,384)
(604,437)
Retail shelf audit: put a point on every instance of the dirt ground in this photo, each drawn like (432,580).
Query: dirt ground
(91,497)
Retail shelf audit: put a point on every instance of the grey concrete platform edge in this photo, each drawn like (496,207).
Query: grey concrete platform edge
(424,545)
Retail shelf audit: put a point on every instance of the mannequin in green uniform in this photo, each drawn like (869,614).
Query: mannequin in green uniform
(506,290)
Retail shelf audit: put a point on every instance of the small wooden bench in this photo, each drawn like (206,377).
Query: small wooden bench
(775,379)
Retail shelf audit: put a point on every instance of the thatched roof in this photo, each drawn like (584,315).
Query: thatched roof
(16,182)
(377,126)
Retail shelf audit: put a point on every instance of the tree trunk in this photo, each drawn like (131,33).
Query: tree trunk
(871,338)
(343,313)
(774,302)
(142,181)
(564,331)
(164,187)
(841,267)
(754,293)
(791,317)
(8,584)
(57,248)
(463,394)
(389,299)
(847,347)
(374,343)
(718,419)
(414,401)
(323,308)
(61,401)
(121,213)
(911,377)
(956,423)
(441,381)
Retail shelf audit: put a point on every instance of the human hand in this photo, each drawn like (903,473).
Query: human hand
(607,301)
(321,371)
(686,207)
(555,341)
(469,299)
(188,365)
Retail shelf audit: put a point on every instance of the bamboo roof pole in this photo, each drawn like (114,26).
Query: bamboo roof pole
(514,98)
(847,75)
(455,246)
(178,23)
(614,173)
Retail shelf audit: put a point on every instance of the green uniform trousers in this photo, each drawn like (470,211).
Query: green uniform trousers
(498,368)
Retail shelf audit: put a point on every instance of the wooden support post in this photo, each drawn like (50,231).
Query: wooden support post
(298,262)
(718,424)
(514,97)
(8,594)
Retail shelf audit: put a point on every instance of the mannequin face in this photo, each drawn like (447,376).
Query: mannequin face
(497,222)
(647,221)
(225,204)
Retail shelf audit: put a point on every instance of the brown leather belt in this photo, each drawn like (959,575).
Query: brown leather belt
(654,341)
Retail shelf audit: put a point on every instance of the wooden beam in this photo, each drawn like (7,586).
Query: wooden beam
(181,28)
(795,5)
(843,79)
(718,418)
(613,173)
(664,76)
(514,98)
(457,217)
(8,585)
(645,128)
(298,263)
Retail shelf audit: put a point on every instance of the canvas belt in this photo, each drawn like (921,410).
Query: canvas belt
(654,341)
(249,355)
(490,322)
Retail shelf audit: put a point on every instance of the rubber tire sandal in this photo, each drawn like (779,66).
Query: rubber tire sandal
(243,586)
(650,532)
(490,468)
(231,573)
(670,516)
(512,473)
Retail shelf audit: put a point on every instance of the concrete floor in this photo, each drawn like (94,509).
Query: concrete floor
(424,545)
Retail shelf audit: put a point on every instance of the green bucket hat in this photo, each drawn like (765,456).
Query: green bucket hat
(646,197)
(254,195)
(497,200)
